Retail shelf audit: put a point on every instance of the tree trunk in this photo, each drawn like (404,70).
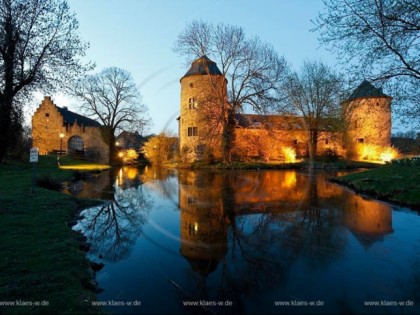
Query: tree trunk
(113,159)
(313,142)
(228,138)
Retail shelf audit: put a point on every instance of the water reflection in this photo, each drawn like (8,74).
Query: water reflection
(250,238)
(275,219)
(112,228)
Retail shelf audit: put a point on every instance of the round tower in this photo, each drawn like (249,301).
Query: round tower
(203,104)
(368,119)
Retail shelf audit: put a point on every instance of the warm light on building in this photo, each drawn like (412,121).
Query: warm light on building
(289,154)
(376,153)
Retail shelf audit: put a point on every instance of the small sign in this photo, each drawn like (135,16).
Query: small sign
(33,155)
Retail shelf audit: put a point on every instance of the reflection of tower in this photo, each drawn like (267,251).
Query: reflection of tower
(368,220)
(203,94)
(368,116)
(203,227)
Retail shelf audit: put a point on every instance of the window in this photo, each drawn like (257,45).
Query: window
(295,141)
(192,131)
(192,104)
(47,114)
(190,200)
(360,140)
(200,149)
(76,143)
(326,141)
(191,85)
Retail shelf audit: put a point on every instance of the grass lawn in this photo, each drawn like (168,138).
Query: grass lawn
(40,258)
(398,182)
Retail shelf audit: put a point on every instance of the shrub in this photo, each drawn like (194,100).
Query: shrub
(48,182)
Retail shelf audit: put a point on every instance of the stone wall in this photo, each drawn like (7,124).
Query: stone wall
(209,93)
(48,124)
(369,122)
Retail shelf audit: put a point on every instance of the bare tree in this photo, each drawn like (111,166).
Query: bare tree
(378,40)
(111,97)
(253,69)
(39,49)
(314,93)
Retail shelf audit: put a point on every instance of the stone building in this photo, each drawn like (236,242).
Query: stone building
(368,117)
(56,129)
(204,104)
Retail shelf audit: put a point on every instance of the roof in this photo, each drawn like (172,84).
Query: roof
(366,89)
(203,66)
(281,122)
(70,117)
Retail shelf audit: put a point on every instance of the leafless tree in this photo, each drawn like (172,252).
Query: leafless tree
(315,93)
(40,49)
(113,228)
(253,69)
(378,40)
(111,97)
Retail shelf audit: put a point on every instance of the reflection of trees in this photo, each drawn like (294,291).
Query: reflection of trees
(113,228)
(161,180)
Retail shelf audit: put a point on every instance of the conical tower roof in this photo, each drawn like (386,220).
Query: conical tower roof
(203,66)
(366,89)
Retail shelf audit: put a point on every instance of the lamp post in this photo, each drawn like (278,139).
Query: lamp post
(61,143)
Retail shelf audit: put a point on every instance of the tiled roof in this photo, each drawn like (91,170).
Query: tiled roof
(366,89)
(279,122)
(70,117)
(202,66)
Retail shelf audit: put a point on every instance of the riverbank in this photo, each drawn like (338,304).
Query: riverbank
(397,182)
(40,257)
(342,164)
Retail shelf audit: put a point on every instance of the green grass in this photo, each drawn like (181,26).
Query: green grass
(397,182)
(40,258)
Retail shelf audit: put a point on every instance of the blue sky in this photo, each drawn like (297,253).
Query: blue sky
(138,36)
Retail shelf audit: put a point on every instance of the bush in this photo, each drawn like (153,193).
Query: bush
(48,182)
(330,155)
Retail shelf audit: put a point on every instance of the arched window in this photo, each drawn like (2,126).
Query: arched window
(76,144)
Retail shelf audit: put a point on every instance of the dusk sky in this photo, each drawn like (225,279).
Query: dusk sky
(138,36)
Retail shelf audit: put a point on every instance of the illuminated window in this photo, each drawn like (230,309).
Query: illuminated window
(192,131)
(192,104)
(192,229)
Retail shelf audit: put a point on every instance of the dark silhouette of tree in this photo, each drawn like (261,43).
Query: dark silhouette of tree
(113,228)
(377,40)
(40,49)
(315,93)
(112,97)
(253,69)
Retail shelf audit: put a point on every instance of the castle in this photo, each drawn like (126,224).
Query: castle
(204,104)
(56,129)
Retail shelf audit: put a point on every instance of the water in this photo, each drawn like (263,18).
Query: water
(249,242)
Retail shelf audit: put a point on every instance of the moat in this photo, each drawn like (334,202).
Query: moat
(248,242)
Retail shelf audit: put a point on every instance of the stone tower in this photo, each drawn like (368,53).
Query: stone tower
(368,118)
(203,105)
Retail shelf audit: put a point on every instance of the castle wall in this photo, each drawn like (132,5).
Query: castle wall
(369,122)
(48,124)
(209,94)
